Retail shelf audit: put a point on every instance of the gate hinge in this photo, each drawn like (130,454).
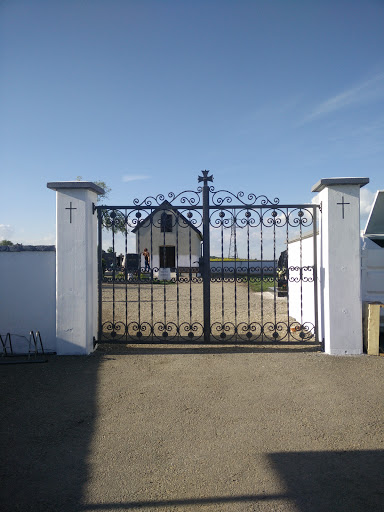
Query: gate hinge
(321,206)
(93,208)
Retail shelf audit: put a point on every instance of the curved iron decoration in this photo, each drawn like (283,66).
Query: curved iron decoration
(193,200)
(252,198)
(226,210)
(253,216)
(304,217)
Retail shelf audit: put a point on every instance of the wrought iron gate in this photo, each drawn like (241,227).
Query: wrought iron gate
(167,285)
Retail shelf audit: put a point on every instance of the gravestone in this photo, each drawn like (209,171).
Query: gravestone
(164,274)
(132,262)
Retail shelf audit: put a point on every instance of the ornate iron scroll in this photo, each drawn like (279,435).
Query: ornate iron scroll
(243,300)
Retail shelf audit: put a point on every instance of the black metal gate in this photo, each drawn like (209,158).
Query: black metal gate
(208,266)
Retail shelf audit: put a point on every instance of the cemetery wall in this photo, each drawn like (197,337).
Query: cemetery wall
(372,273)
(301,293)
(372,277)
(28,294)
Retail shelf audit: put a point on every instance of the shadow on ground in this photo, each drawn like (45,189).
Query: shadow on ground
(314,481)
(337,481)
(46,423)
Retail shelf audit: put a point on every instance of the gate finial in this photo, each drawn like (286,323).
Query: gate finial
(205,178)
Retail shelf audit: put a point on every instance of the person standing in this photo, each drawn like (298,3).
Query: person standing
(146,260)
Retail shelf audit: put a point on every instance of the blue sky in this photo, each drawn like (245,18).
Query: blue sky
(270,96)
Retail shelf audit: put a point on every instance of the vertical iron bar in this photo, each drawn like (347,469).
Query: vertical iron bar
(274,279)
(248,278)
(206,258)
(151,275)
(163,223)
(100,274)
(316,333)
(138,284)
(262,275)
(301,277)
(222,274)
(126,272)
(113,274)
(235,220)
(286,275)
(177,216)
(190,279)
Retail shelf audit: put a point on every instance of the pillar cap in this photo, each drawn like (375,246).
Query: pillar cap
(329,182)
(89,185)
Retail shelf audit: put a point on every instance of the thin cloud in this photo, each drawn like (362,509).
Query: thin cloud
(366,201)
(135,177)
(6,231)
(365,92)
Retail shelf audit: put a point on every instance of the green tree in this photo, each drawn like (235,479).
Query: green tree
(6,242)
(101,184)
(117,222)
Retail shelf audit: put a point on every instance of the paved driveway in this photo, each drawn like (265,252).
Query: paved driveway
(210,429)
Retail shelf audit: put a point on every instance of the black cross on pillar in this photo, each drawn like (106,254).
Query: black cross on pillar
(342,205)
(70,211)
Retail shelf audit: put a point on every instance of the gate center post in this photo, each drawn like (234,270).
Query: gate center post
(206,257)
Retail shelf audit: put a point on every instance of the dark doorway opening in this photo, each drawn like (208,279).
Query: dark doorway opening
(167,256)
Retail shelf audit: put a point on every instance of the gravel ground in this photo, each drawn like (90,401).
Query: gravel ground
(205,428)
(182,305)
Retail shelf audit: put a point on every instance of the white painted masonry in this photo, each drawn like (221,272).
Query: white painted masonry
(27,295)
(301,293)
(372,271)
(76,266)
(340,307)
(372,255)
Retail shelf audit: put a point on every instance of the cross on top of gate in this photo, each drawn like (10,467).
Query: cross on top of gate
(205,178)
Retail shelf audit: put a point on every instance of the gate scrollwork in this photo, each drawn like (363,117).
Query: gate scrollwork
(185,294)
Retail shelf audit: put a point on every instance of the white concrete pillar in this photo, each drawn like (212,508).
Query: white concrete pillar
(340,308)
(76,266)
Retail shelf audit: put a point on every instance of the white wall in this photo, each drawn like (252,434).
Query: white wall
(372,277)
(28,295)
(301,292)
(76,260)
(340,308)
(372,273)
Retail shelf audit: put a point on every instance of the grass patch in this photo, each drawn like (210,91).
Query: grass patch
(216,258)
(258,286)
(143,279)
